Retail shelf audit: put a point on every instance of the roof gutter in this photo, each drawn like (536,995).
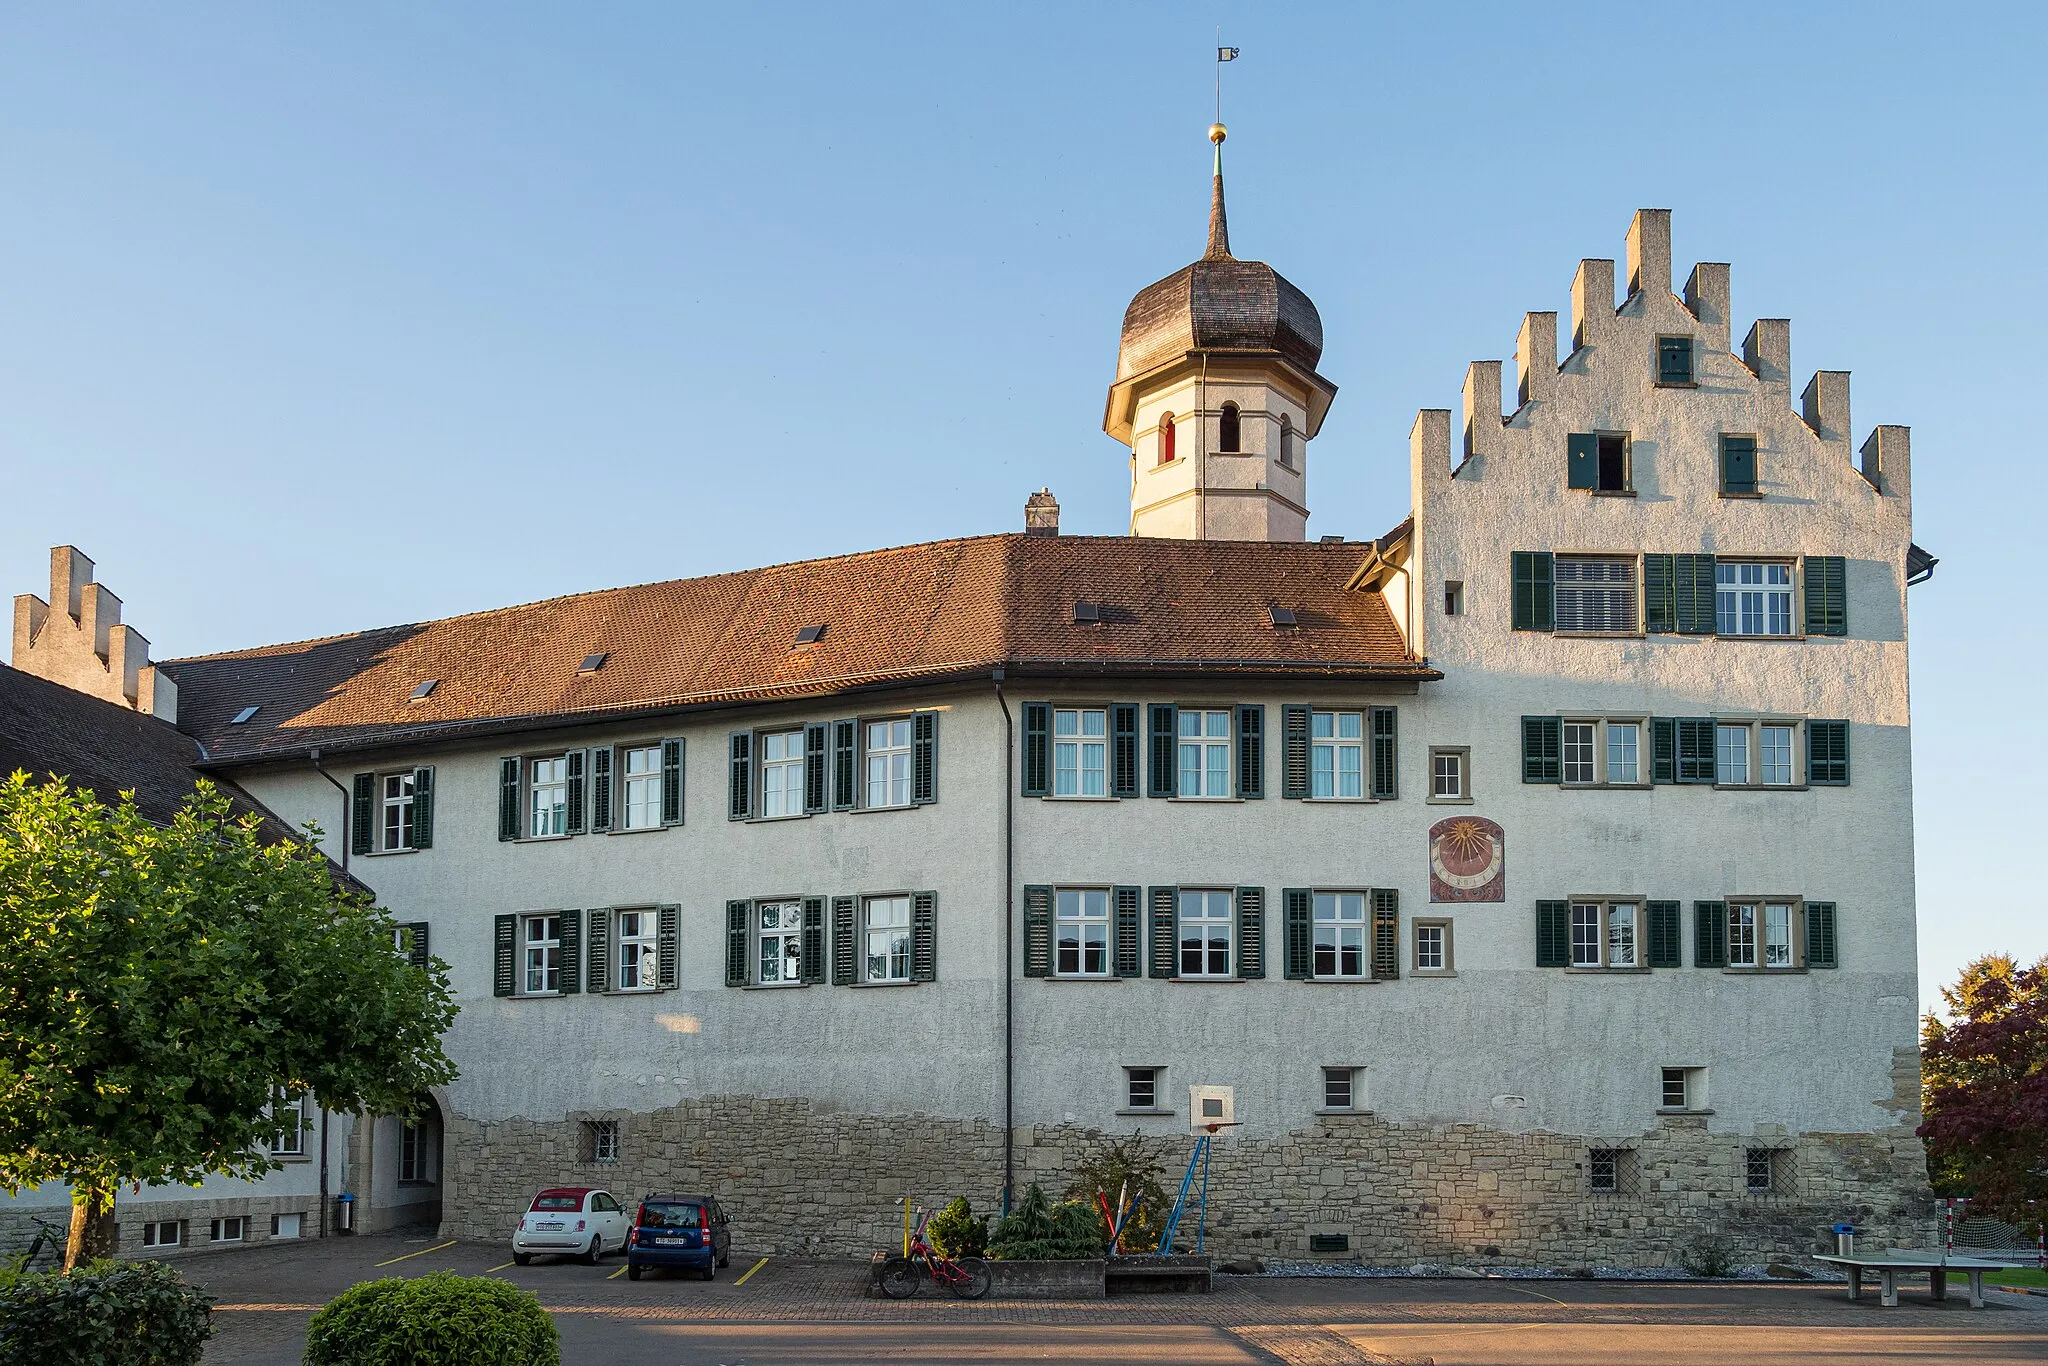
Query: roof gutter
(1007,901)
(346,802)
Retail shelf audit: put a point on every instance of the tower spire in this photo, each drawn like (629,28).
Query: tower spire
(1219,223)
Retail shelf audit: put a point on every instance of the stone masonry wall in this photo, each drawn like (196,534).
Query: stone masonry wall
(798,1179)
(18,1229)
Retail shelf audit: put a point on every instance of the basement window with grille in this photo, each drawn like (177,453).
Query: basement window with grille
(1767,1171)
(1611,1171)
(600,1142)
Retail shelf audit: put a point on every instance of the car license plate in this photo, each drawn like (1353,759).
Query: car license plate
(668,1242)
(548,1228)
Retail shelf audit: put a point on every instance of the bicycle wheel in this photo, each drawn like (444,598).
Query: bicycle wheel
(974,1278)
(899,1278)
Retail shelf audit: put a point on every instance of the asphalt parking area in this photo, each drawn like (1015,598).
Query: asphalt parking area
(797,1312)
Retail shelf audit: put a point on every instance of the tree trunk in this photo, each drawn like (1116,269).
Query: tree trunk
(92,1224)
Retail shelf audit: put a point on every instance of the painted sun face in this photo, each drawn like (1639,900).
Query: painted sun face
(1466,857)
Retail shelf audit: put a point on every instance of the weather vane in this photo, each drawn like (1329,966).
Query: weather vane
(1217,132)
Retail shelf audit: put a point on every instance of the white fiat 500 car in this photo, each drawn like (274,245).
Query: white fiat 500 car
(571,1221)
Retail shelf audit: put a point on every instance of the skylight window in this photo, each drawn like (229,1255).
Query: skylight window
(810,634)
(592,663)
(244,716)
(424,690)
(1283,616)
(1087,611)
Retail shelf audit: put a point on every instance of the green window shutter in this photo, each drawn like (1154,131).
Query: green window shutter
(573,761)
(1738,464)
(1294,752)
(423,808)
(1661,926)
(1582,460)
(736,913)
(1296,903)
(1692,579)
(600,789)
(1827,595)
(1123,730)
(1820,934)
(1038,931)
(739,805)
(672,782)
(845,765)
(572,952)
(1385,754)
(416,943)
(1542,749)
(363,814)
(1695,749)
(597,959)
(1126,950)
(1386,934)
(1251,752)
(1663,750)
(504,950)
(668,924)
(811,965)
(816,797)
(1037,749)
(1251,932)
(1660,600)
(1710,934)
(1827,753)
(1534,591)
(1674,360)
(1553,934)
(1165,933)
(924,758)
(924,936)
(845,940)
(1164,766)
(508,798)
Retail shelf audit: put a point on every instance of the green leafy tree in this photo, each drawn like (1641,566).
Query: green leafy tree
(1130,1170)
(165,983)
(1984,1088)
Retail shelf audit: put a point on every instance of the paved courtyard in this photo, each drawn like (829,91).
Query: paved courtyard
(792,1311)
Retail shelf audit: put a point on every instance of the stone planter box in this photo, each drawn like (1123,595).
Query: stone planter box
(1159,1275)
(1077,1280)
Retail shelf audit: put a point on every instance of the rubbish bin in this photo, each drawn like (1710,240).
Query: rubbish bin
(1845,1240)
(345,1213)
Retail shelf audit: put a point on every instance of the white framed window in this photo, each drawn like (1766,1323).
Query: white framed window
(547,797)
(1206,921)
(637,954)
(1080,752)
(1606,934)
(290,1115)
(1624,752)
(1142,1088)
(888,939)
(1757,753)
(1682,1088)
(394,826)
(1777,936)
(1596,595)
(782,773)
(600,1141)
(1447,775)
(640,767)
(1731,755)
(1752,598)
(164,1233)
(1339,926)
(779,934)
(1081,932)
(1764,934)
(541,939)
(1336,754)
(1340,1088)
(1774,756)
(1579,767)
(1204,753)
(1432,946)
(229,1230)
(888,762)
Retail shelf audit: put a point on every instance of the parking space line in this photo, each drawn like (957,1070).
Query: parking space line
(499,1267)
(750,1271)
(421,1253)
(616,1274)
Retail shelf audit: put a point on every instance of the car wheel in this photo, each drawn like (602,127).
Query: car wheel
(522,1259)
(711,1270)
(725,1257)
(632,1272)
(594,1251)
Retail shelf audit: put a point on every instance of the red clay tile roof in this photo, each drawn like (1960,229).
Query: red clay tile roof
(943,610)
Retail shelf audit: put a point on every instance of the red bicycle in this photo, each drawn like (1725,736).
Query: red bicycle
(967,1277)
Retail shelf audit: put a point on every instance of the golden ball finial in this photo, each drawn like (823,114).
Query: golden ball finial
(1217,132)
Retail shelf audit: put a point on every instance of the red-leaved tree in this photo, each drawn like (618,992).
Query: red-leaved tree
(1984,1089)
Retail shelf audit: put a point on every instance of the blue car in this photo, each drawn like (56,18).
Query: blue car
(681,1231)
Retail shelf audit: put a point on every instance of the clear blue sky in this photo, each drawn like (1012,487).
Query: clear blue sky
(315,318)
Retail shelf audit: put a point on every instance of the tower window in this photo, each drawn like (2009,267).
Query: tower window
(1166,439)
(1227,436)
(1287,441)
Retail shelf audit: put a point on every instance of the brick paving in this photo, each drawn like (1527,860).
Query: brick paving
(809,1311)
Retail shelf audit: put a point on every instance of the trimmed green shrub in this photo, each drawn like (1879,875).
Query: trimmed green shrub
(135,1313)
(1040,1231)
(956,1232)
(437,1320)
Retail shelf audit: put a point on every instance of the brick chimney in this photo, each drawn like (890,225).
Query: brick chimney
(1042,514)
(77,639)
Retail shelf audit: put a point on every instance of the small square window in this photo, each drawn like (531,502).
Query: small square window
(1767,1171)
(1611,1171)
(1676,1091)
(1432,946)
(1340,1088)
(1141,1087)
(1447,775)
(600,1141)
(1612,468)
(228,1230)
(1674,360)
(1454,598)
(165,1233)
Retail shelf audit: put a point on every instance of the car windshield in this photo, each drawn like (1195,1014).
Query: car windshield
(558,1202)
(670,1214)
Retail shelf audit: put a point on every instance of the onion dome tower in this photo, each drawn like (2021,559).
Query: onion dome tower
(1217,395)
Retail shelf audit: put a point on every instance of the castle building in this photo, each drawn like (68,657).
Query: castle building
(1533,884)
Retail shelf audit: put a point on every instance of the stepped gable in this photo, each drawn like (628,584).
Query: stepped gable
(944,610)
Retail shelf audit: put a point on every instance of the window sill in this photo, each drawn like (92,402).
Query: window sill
(1597,635)
(1448,801)
(1212,801)
(1683,1110)
(1347,1112)
(1612,493)
(777,986)
(1730,635)
(1170,464)
(1311,801)
(878,810)
(1432,972)
(777,820)
(882,986)
(1341,981)
(1076,797)
(638,829)
(1078,977)
(416,1184)
(628,991)
(1740,493)
(1205,981)
(1755,787)
(543,839)
(290,1159)
(1674,384)
(1610,787)
(1610,972)
(1168,1114)
(387,853)
(535,995)
(1764,972)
